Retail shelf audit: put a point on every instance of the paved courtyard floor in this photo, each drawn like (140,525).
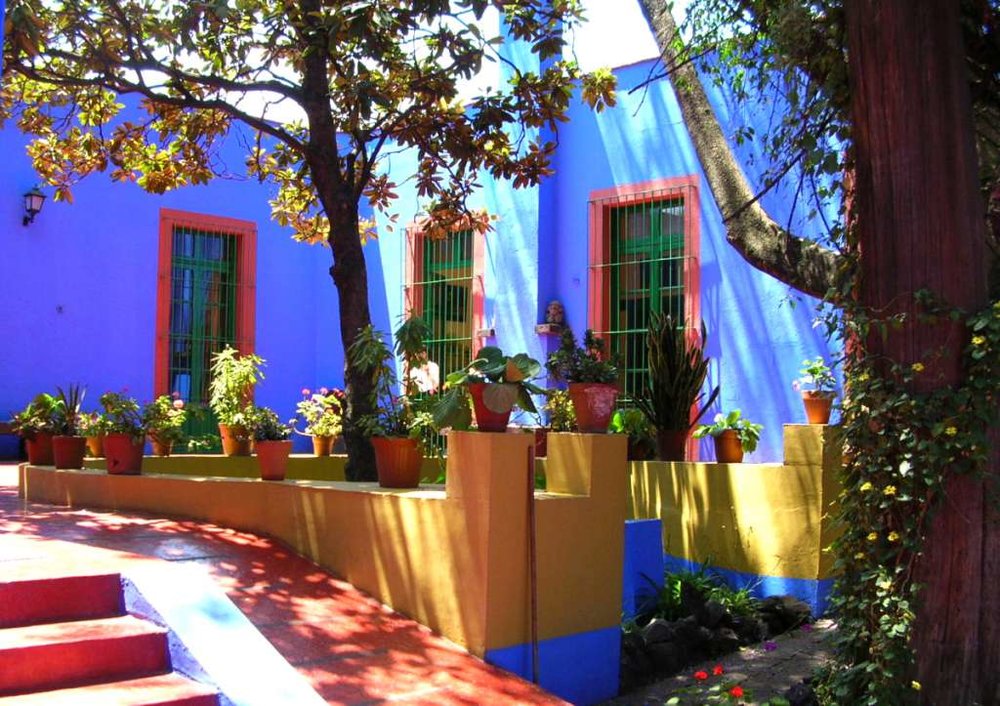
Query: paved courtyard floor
(352,649)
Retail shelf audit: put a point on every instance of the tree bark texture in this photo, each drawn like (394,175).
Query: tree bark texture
(798,262)
(920,226)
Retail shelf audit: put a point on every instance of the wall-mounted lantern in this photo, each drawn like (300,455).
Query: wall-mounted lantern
(33,201)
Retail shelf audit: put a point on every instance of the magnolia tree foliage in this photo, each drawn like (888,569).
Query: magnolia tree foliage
(365,78)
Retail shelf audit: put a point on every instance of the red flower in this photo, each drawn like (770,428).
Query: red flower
(717,670)
(736,691)
(701,675)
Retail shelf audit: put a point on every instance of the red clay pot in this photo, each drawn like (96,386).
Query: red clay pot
(323,445)
(728,447)
(161,448)
(124,454)
(486,418)
(818,406)
(235,440)
(594,403)
(39,449)
(95,446)
(671,444)
(273,458)
(68,451)
(398,461)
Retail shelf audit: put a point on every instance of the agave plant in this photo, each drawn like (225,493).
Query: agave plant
(677,371)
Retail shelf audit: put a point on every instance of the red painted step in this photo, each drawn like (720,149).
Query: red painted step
(41,599)
(56,655)
(161,690)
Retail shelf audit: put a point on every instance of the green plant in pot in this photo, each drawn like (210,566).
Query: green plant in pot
(495,383)
(69,444)
(677,372)
(93,426)
(592,378)
(234,376)
(321,413)
(641,440)
(37,423)
(272,442)
(818,387)
(126,433)
(733,435)
(164,420)
(402,427)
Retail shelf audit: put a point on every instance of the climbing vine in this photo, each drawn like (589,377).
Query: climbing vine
(901,446)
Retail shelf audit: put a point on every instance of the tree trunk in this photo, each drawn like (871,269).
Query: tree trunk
(798,262)
(920,226)
(350,276)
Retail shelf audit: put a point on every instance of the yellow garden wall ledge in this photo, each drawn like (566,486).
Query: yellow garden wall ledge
(758,523)
(455,558)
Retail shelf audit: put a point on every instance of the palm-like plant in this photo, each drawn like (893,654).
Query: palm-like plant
(677,371)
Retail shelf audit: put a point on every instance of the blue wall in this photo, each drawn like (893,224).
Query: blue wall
(78,289)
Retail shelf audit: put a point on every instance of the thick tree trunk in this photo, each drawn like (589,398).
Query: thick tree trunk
(920,226)
(350,276)
(796,261)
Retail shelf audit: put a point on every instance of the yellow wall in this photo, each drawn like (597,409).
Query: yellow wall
(766,519)
(454,559)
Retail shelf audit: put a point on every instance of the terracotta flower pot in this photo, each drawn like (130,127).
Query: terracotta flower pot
(486,418)
(273,458)
(39,449)
(67,451)
(728,447)
(95,446)
(594,403)
(235,440)
(160,447)
(398,461)
(818,406)
(124,454)
(323,445)
(671,444)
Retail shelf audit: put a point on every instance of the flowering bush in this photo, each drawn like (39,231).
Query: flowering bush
(164,418)
(122,415)
(321,411)
(39,417)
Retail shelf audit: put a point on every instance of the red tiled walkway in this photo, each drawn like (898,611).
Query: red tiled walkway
(352,649)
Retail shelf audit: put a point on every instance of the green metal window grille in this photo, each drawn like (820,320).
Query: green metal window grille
(443,287)
(644,274)
(203,311)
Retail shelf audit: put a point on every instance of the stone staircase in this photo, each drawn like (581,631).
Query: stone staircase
(66,640)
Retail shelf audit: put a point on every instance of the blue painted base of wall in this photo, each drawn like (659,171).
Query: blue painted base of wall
(9,443)
(814,592)
(582,668)
(642,578)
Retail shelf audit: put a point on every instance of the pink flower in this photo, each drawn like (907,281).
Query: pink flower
(736,691)
(324,391)
(701,675)
(306,392)
(175,394)
(178,404)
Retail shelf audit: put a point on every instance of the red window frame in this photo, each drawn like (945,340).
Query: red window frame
(246,243)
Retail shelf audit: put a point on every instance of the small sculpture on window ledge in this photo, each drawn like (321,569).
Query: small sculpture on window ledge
(554,313)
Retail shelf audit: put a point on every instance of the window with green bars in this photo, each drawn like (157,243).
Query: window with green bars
(203,313)
(442,294)
(641,266)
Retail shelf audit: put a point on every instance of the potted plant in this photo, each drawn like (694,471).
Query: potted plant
(641,442)
(677,371)
(819,388)
(321,411)
(68,444)
(93,427)
(36,424)
(558,409)
(125,438)
(495,382)
(402,428)
(273,445)
(733,435)
(164,420)
(231,397)
(591,376)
